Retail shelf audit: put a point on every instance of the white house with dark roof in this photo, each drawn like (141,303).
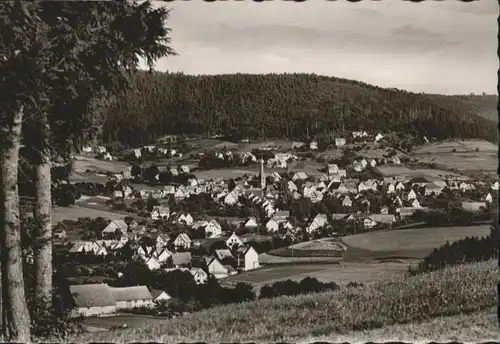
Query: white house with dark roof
(199,275)
(130,297)
(160,295)
(251,223)
(219,270)
(115,225)
(183,240)
(233,240)
(319,221)
(300,176)
(247,258)
(213,229)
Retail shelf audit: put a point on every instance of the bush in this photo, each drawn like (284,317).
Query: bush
(289,288)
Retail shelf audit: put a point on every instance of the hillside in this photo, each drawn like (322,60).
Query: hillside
(282,106)
(485,105)
(454,291)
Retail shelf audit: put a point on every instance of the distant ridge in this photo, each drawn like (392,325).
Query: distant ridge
(291,106)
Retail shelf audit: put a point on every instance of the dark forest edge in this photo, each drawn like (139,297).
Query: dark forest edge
(292,106)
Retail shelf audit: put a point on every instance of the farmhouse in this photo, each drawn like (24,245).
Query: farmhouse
(153,263)
(251,223)
(199,275)
(473,206)
(92,299)
(160,295)
(233,240)
(115,225)
(411,195)
(231,198)
(313,145)
(218,270)
(272,225)
(432,189)
(488,198)
(183,240)
(130,297)
(300,176)
(160,212)
(378,137)
(213,229)
(347,202)
(319,221)
(247,258)
(382,218)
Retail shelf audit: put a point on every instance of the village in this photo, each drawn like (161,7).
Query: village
(164,235)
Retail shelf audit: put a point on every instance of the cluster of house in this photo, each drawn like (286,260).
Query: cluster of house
(101,299)
(100,151)
(138,153)
(159,256)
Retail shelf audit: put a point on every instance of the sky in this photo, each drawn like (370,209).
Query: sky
(446,47)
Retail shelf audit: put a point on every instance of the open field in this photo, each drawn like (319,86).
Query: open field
(75,212)
(132,321)
(83,163)
(225,173)
(268,259)
(390,170)
(468,288)
(315,248)
(405,243)
(340,273)
(464,158)
(459,146)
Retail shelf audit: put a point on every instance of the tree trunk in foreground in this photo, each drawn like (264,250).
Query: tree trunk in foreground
(43,240)
(16,318)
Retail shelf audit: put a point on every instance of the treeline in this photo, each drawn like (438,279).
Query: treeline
(464,251)
(277,106)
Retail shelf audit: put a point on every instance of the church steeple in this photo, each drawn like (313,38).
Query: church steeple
(262,175)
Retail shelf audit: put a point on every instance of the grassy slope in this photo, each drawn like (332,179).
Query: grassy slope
(469,288)
(476,327)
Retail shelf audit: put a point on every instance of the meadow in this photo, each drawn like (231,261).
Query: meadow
(132,321)
(409,243)
(460,155)
(462,289)
(339,272)
(84,163)
(75,212)
(269,259)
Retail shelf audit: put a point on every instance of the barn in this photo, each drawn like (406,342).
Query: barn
(92,299)
(130,297)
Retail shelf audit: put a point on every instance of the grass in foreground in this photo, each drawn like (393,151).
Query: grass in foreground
(462,289)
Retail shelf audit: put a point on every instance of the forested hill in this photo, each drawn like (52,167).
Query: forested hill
(281,106)
(485,105)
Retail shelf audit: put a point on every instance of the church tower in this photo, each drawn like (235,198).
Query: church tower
(262,175)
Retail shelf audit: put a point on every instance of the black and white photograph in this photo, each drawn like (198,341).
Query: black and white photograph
(249,171)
